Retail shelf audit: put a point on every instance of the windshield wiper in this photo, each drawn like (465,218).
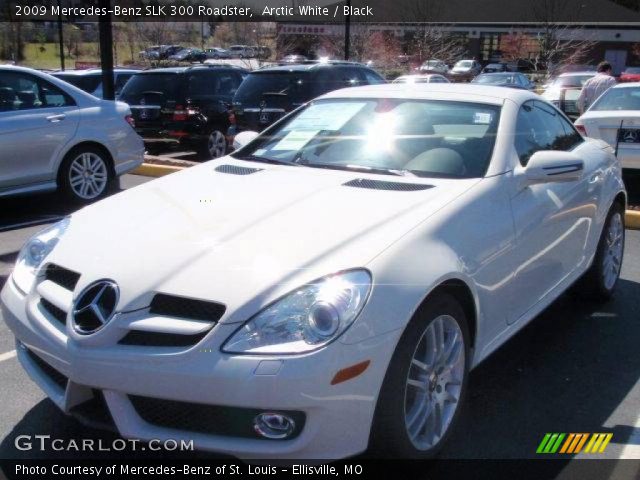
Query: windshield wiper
(274,161)
(360,168)
(275,94)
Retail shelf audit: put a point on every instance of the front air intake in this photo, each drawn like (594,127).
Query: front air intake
(182,307)
(383,185)
(236,170)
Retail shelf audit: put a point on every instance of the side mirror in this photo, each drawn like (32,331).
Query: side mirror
(552,166)
(243,138)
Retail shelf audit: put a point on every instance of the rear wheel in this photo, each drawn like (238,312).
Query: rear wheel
(85,174)
(214,146)
(425,383)
(601,279)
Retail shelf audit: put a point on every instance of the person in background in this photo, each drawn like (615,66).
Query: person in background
(596,86)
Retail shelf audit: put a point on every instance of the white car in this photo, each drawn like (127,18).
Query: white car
(434,66)
(328,286)
(615,118)
(426,78)
(56,136)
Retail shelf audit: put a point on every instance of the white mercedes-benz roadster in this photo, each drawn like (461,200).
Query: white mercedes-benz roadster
(327,287)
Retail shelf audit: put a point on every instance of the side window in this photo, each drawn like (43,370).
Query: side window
(351,77)
(19,91)
(52,96)
(121,81)
(22,91)
(372,78)
(540,127)
(327,80)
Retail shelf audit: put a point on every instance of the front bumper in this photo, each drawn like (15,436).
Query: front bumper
(337,417)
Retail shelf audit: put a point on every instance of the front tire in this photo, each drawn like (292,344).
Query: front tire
(85,174)
(425,383)
(601,279)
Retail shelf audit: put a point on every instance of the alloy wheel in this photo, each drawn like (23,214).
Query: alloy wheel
(88,175)
(434,382)
(612,258)
(216,144)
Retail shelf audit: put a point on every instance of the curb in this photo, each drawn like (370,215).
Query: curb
(632,219)
(153,170)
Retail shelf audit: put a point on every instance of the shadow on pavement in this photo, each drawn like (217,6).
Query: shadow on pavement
(567,371)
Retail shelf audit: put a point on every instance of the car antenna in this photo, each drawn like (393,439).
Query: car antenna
(618,137)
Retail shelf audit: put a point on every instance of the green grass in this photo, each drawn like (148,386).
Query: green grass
(47,55)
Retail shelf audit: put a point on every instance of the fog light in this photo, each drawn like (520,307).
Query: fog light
(274,426)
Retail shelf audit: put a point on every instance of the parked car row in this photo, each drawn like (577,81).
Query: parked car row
(203,108)
(179,53)
(466,69)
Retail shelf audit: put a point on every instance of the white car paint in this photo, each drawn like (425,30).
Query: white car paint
(246,240)
(35,141)
(604,125)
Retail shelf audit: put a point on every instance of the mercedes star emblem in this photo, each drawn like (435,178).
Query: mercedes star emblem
(94,307)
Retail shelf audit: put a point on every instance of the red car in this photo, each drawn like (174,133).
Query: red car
(631,74)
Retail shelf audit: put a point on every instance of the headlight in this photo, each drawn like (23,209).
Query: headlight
(34,252)
(306,318)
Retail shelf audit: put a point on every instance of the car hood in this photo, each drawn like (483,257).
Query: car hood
(242,240)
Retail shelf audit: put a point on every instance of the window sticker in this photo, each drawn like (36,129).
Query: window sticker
(295,140)
(483,118)
(329,116)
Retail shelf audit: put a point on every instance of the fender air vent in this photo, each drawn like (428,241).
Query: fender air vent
(382,185)
(236,170)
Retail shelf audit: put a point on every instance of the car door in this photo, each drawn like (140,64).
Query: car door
(36,122)
(552,220)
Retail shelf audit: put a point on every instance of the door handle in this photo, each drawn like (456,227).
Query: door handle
(56,118)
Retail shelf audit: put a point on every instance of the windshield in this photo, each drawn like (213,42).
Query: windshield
(150,89)
(627,98)
(464,64)
(431,63)
(294,86)
(495,79)
(429,138)
(632,70)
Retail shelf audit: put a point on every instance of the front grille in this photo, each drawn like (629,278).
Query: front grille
(236,170)
(61,276)
(383,185)
(171,306)
(209,419)
(160,339)
(55,376)
(94,413)
(55,312)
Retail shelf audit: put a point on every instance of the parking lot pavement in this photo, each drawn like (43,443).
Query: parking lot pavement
(574,369)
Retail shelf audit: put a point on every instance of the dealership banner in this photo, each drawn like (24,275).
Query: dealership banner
(357,468)
(324,11)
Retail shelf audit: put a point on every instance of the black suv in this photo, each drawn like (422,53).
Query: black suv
(187,105)
(271,92)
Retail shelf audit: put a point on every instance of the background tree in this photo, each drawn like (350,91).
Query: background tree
(561,41)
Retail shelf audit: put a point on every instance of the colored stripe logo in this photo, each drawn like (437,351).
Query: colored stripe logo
(573,443)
